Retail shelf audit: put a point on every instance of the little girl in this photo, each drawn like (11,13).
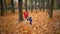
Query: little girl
(25,16)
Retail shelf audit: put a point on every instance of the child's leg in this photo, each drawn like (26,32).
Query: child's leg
(31,22)
(25,20)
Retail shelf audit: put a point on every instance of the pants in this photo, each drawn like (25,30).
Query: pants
(25,19)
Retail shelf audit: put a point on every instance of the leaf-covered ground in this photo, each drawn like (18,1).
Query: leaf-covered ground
(41,24)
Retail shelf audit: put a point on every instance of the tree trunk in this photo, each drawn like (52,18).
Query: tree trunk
(5,6)
(20,10)
(36,5)
(12,6)
(39,6)
(31,5)
(26,5)
(47,4)
(2,7)
(58,3)
(51,8)
(59,6)
(43,5)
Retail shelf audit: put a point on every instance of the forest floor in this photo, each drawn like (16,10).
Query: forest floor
(41,24)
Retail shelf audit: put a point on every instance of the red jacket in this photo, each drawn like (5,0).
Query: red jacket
(25,14)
